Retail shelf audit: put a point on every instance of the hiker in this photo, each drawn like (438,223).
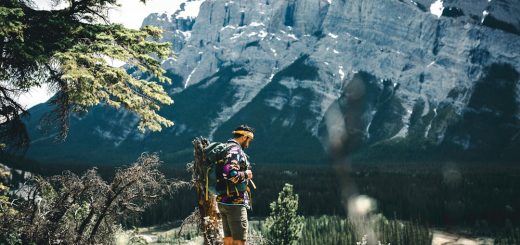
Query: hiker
(232,188)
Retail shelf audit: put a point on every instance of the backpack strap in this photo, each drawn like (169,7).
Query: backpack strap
(227,189)
(207,182)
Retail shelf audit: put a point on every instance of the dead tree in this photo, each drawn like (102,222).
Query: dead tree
(72,209)
(209,220)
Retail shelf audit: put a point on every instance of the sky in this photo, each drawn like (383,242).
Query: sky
(130,14)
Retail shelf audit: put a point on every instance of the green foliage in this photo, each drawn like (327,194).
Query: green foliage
(327,229)
(7,211)
(480,201)
(5,203)
(70,50)
(338,230)
(284,225)
(6,208)
(430,194)
(94,81)
(72,209)
(12,25)
(510,236)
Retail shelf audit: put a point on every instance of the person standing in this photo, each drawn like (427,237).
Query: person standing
(233,177)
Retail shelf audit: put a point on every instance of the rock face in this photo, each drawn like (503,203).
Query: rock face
(308,74)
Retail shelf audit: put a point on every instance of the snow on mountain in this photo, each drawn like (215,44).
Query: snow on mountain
(384,71)
(436,8)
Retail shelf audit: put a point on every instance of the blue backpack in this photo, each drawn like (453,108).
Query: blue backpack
(215,153)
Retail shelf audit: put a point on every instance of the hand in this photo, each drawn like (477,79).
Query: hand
(249,174)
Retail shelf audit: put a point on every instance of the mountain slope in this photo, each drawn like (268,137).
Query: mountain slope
(306,73)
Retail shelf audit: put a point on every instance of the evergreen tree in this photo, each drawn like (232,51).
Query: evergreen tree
(283,225)
(69,49)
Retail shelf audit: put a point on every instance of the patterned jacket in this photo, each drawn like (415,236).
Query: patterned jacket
(231,177)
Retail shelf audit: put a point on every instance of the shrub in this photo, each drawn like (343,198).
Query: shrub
(283,225)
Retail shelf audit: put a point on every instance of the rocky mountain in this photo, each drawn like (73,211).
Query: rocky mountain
(397,78)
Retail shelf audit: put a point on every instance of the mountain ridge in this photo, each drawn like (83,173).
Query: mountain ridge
(288,68)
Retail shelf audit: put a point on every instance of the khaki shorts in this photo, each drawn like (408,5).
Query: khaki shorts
(234,221)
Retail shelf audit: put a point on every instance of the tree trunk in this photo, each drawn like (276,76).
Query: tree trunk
(209,222)
(107,206)
(84,224)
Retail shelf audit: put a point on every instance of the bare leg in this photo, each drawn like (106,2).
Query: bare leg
(228,240)
(239,242)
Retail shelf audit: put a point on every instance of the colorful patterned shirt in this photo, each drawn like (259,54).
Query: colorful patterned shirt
(231,177)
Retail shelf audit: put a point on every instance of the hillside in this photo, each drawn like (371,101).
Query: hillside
(436,77)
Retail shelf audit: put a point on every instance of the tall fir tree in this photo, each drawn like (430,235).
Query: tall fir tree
(284,226)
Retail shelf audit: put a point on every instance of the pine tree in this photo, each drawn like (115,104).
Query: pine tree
(69,49)
(283,225)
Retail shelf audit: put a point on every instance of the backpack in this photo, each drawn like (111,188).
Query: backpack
(215,153)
